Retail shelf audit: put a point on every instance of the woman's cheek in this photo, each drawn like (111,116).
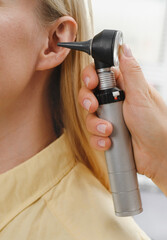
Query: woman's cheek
(18,48)
(17,61)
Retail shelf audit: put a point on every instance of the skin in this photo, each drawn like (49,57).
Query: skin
(145,114)
(28,54)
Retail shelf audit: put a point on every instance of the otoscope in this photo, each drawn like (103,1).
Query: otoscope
(104,48)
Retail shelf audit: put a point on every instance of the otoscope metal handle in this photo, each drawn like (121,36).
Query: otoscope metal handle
(120,160)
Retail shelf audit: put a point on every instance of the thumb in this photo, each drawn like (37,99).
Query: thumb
(133,77)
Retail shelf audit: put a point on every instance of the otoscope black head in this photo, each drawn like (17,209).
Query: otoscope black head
(104,48)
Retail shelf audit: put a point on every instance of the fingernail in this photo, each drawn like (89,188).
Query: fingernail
(86,81)
(87,103)
(102,143)
(101,128)
(127,51)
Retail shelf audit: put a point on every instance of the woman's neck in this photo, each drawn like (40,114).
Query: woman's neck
(25,128)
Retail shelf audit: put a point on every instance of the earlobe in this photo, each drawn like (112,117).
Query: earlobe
(63,30)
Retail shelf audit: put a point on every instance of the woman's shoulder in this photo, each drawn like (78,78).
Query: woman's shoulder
(85,207)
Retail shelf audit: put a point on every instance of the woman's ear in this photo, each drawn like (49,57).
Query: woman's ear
(63,30)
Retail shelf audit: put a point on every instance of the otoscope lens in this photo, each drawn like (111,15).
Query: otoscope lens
(117,45)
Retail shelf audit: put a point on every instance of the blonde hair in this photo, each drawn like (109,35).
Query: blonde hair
(69,114)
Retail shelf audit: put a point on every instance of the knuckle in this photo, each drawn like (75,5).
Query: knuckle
(134,66)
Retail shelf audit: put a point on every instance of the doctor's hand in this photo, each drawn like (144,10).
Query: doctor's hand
(145,114)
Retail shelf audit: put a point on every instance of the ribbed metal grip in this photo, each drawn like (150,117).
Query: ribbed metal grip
(107,78)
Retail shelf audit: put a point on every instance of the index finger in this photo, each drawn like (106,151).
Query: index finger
(89,76)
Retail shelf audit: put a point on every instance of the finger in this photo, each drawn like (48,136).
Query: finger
(88,100)
(90,77)
(97,126)
(119,77)
(100,143)
(132,74)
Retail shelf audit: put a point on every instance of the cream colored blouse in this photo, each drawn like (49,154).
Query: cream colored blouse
(51,197)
